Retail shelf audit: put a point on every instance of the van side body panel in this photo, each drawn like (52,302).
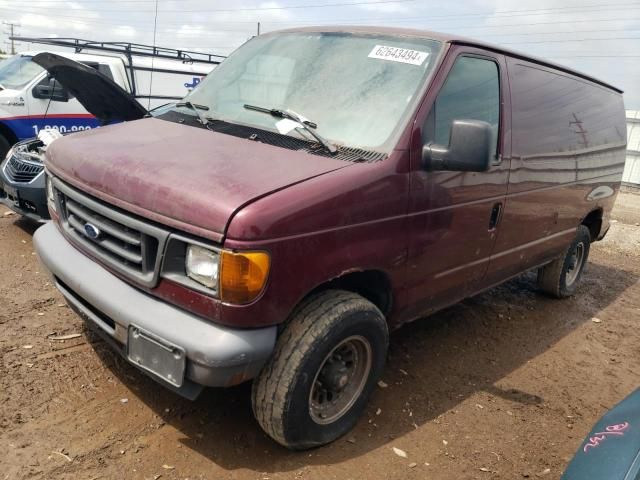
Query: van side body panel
(569,140)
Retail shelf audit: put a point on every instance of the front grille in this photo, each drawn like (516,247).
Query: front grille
(22,171)
(128,245)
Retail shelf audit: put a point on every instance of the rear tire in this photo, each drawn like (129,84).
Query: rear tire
(560,278)
(325,366)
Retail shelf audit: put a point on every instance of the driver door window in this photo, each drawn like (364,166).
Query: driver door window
(471,92)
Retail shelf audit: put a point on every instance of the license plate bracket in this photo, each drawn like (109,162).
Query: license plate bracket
(156,355)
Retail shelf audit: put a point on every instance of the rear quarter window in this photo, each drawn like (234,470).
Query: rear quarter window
(554,112)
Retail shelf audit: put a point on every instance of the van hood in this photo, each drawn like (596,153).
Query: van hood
(101,96)
(185,177)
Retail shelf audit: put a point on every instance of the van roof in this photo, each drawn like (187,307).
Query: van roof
(451,39)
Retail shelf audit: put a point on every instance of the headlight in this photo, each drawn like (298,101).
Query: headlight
(202,265)
(233,277)
(51,197)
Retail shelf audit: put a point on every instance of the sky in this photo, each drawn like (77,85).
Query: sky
(599,38)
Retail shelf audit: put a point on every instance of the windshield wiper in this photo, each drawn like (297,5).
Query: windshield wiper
(307,125)
(196,108)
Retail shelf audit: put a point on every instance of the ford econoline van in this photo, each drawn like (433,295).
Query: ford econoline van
(320,188)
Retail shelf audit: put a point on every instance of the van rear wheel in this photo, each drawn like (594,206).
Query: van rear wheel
(560,278)
(325,366)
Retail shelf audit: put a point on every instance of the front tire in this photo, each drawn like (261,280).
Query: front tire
(560,278)
(325,366)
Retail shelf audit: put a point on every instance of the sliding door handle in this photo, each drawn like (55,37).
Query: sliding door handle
(496,213)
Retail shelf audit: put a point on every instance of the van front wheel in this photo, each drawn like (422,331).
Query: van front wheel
(326,364)
(560,278)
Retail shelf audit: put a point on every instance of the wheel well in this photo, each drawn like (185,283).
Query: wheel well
(7,133)
(593,222)
(373,285)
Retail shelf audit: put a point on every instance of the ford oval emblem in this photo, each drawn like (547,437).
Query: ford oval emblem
(91,231)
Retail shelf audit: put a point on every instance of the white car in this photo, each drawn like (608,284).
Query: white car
(31,100)
(22,183)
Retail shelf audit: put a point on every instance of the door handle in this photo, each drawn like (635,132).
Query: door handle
(495,215)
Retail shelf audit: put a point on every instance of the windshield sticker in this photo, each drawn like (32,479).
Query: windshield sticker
(396,54)
(285,125)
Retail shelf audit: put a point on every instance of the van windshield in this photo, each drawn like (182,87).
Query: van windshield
(357,88)
(18,71)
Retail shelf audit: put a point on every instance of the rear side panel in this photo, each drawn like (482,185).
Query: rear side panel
(568,140)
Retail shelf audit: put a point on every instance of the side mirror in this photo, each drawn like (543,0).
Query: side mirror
(469,149)
(50,88)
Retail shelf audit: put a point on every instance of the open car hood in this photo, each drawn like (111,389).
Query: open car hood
(100,95)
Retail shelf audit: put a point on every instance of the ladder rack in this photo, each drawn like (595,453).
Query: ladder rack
(126,48)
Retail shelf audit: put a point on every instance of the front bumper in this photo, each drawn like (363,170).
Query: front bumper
(216,356)
(31,200)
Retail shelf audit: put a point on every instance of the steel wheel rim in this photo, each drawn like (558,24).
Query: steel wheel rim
(575,264)
(340,380)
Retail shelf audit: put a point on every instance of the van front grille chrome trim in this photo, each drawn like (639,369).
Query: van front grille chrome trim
(127,245)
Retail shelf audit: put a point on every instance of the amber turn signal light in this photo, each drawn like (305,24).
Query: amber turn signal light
(243,276)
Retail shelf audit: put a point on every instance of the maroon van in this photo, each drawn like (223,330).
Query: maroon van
(319,188)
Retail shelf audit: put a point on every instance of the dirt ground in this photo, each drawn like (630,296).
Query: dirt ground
(502,386)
